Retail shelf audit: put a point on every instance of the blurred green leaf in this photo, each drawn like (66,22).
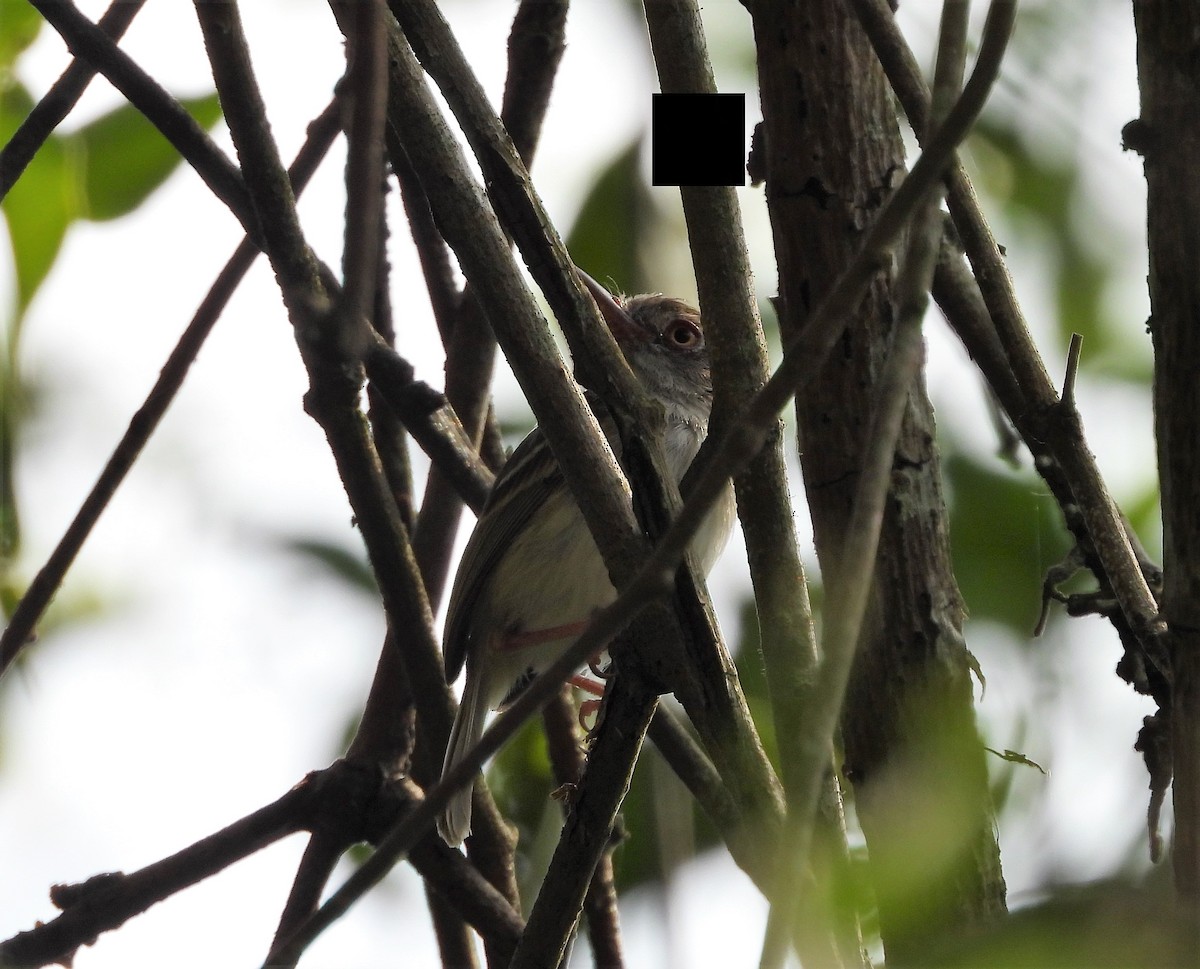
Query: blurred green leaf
(753,677)
(611,222)
(19,26)
(1144,512)
(10,519)
(520,780)
(519,776)
(40,206)
(348,565)
(1005,532)
(1042,189)
(125,158)
(1109,924)
(637,862)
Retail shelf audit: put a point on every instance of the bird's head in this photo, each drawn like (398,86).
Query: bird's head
(663,340)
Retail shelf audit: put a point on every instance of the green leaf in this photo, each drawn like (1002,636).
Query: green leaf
(125,158)
(19,25)
(10,521)
(347,565)
(1127,924)
(613,219)
(1042,192)
(40,207)
(1144,511)
(1005,532)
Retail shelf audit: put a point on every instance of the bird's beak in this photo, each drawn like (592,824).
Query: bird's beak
(622,325)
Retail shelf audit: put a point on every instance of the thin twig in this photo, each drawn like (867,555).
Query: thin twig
(145,421)
(387,433)
(320,857)
(386,733)
(385,738)
(1072,369)
(564,740)
(367,87)
(57,103)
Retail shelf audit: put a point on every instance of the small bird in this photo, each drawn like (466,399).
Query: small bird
(531,575)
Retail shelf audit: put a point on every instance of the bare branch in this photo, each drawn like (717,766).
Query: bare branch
(366,84)
(105,902)
(565,741)
(1166,133)
(628,709)
(320,857)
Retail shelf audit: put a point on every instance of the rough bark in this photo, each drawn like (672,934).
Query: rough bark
(833,153)
(1168,136)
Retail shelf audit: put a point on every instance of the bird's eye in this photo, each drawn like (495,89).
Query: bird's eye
(682,334)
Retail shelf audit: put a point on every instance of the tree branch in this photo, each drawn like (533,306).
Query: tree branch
(628,709)
(105,902)
(1167,135)
(565,743)
(852,573)
(367,88)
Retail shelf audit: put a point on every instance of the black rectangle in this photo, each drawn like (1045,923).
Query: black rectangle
(698,139)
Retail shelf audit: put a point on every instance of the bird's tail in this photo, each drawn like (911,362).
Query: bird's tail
(454,824)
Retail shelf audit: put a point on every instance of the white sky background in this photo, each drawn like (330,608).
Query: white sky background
(222,668)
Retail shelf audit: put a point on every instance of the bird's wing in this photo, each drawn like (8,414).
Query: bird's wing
(513,500)
(529,477)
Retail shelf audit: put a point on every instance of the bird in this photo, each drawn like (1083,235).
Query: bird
(531,575)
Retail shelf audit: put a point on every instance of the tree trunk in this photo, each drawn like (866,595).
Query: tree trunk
(1168,136)
(832,155)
